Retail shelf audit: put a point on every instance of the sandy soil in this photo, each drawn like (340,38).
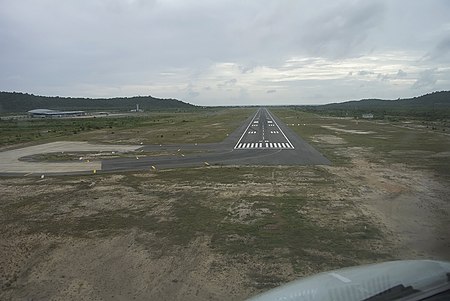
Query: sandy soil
(337,129)
(413,205)
(66,262)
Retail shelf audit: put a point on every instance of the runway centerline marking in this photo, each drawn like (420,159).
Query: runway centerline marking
(271,117)
(250,123)
(263,143)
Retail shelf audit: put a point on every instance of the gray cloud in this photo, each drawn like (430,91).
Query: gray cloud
(228,83)
(441,52)
(191,91)
(427,78)
(193,94)
(340,31)
(271,91)
(401,74)
(248,68)
(365,72)
(106,48)
(383,77)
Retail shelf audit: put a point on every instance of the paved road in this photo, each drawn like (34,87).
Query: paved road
(262,139)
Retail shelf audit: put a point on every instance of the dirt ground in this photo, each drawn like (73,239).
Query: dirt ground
(214,233)
(413,205)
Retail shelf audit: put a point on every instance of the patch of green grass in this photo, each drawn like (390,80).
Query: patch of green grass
(222,175)
(287,228)
(195,126)
(75,156)
(391,142)
(192,219)
(100,224)
(178,206)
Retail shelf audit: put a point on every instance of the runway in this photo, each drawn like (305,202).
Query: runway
(263,132)
(263,139)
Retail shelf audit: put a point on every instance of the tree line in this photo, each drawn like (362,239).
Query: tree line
(434,105)
(15,102)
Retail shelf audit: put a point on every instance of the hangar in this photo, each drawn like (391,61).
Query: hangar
(46,113)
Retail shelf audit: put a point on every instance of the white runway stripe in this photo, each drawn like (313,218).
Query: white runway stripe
(264,145)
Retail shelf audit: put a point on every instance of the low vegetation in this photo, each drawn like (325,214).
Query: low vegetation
(217,232)
(409,141)
(430,107)
(198,126)
(14,102)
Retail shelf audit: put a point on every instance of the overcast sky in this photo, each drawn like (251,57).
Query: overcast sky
(222,52)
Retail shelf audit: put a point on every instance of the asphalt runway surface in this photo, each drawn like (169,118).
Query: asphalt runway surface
(263,139)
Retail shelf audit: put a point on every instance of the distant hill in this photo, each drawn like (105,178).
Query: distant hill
(14,102)
(436,105)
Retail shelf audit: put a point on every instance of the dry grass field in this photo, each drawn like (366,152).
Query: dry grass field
(227,233)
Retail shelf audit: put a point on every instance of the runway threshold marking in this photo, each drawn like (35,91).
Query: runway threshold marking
(266,145)
(246,130)
(271,117)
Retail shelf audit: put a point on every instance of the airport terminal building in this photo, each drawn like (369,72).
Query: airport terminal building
(46,113)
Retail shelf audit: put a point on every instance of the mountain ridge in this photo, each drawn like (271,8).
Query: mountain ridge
(435,105)
(13,102)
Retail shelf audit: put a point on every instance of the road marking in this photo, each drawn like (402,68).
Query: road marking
(263,145)
(250,123)
(280,129)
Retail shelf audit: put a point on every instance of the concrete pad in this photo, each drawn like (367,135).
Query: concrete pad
(9,160)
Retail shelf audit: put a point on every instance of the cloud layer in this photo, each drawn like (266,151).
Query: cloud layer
(226,52)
